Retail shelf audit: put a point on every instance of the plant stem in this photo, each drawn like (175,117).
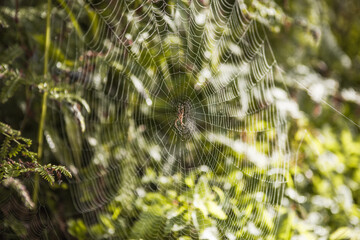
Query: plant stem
(44,102)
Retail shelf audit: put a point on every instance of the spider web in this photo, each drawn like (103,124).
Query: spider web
(181,97)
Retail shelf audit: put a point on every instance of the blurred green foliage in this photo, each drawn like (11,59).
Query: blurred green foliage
(314,42)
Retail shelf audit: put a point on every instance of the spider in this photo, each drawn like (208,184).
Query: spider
(181,113)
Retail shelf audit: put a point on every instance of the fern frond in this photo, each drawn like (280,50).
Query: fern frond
(46,175)
(11,53)
(11,79)
(63,171)
(14,146)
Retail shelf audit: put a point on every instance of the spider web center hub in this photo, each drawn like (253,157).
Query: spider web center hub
(184,123)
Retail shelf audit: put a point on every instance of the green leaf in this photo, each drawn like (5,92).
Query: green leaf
(285,225)
(54,52)
(184,238)
(77,229)
(342,233)
(216,210)
(190,180)
(202,188)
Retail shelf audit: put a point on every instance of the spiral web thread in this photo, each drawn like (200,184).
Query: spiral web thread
(176,89)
